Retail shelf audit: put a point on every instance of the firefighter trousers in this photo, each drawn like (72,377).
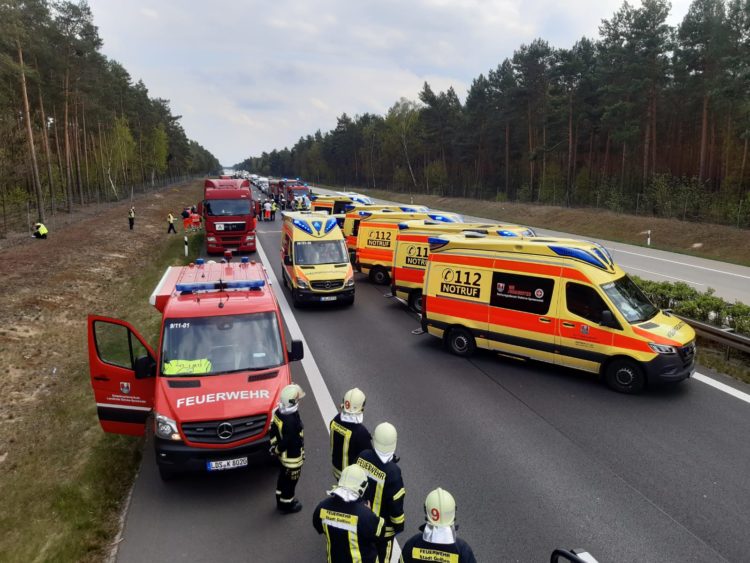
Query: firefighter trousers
(385,549)
(286,484)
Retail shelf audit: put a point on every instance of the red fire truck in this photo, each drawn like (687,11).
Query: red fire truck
(229,213)
(215,378)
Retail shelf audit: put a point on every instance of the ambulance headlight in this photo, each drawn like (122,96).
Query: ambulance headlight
(662,348)
(166,428)
(302,284)
(349,282)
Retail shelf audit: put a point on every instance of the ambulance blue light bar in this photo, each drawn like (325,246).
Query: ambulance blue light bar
(330,224)
(219,285)
(302,225)
(313,197)
(504,233)
(579,254)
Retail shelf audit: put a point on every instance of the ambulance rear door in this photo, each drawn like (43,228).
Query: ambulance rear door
(123,375)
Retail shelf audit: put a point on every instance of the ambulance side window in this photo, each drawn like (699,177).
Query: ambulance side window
(585,302)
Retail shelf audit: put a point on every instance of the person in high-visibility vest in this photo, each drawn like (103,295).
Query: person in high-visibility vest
(438,541)
(40,231)
(131,217)
(386,487)
(288,444)
(196,220)
(349,436)
(350,527)
(170,222)
(274,208)
(185,218)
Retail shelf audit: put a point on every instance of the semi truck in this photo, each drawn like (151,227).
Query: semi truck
(229,215)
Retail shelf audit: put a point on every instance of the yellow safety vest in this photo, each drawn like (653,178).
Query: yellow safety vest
(170,218)
(42,229)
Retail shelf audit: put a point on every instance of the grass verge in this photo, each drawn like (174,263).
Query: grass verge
(64,481)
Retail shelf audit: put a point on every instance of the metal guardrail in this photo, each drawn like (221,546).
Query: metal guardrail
(722,336)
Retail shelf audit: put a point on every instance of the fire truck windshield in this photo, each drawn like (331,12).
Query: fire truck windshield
(219,345)
(225,207)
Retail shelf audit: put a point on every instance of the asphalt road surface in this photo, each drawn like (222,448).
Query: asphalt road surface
(536,456)
(731,281)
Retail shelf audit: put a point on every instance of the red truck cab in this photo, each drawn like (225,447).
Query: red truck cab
(213,383)
(229,215)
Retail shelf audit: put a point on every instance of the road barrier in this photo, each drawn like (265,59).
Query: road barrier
(723,336)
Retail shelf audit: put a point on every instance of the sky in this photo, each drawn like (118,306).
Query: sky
(249,76)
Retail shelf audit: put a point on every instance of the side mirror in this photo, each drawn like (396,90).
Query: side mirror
(297,352)
(144,367)
(287,260)
(573,556)
(608,320)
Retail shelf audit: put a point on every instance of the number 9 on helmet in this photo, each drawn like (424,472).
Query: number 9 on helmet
(440,508)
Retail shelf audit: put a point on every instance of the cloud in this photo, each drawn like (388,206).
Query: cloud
(249,76)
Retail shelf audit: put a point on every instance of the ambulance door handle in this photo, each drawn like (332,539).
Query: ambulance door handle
(544,320)
(569,325)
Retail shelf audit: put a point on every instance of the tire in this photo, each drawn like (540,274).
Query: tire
(283,280)
(379,276)
(460,342)
(349,302)
(415,301)
(167,474)
(625,376)
(296,301)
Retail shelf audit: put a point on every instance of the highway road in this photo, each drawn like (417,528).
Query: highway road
(731,281)
(537,457)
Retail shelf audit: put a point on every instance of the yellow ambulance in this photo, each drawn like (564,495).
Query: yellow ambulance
(354,215)
(412,250)
(315,262)
(376,239)
(560,301)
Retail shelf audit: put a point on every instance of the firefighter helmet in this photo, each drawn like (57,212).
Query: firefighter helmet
(385,437)
(354,401)
(354,479)
(291,394)
(440,508)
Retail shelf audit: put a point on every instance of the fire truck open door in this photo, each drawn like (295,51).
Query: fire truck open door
(123,375)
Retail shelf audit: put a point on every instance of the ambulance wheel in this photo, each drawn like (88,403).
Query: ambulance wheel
(296,301)
(283,280)
(167,474)
(625,376)
(460,342)
(415,301)
(379,276)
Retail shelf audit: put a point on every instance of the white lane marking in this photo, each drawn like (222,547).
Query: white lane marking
(682,263)
(322,395)
(626,267)
(722,387)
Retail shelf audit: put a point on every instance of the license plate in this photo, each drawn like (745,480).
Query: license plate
(328,298)
(226,464)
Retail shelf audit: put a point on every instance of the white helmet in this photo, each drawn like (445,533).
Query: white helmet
(291,394)
(440,508)
(353,478)
(385,437)
(354,401)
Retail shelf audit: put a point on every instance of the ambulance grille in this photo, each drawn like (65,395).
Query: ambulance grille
(687,353)
(327,284)
(207,432)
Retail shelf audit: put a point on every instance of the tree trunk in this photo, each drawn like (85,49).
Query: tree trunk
(710,176)
(569,173)
(77,153)
(742,169)
(646,152)
(372,159)
(531,152)
(58,152)
(727,145)
(704,139)
(605,166)
(66,132)
(653,138)
(47,154)
(507,159)
(29,133)
(85,150)
(622,171)
(543,179)
(408,162)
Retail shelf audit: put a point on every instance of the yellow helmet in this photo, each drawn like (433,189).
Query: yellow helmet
(385,437)
(354,401)
(440,508)
(354,479)
(291,394)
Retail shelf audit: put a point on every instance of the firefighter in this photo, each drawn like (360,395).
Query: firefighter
(40,231)
(386,491)
(351,528)
(288,444)
(185,219)
(349,436)
(438,541)
(170,222)
(131,217)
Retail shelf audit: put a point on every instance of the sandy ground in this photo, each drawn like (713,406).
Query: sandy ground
(49,286)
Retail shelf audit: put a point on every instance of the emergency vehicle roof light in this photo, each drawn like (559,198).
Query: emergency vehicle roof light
(505,233)
(199,261)
(187,288)
(313,197)
(473,234)
(330,224)
(317,225)
(349,207)
(402,226)
(245,259)
(436,242)
(603,253)
(441,218)
(302,226)
(578,254)
(364,214)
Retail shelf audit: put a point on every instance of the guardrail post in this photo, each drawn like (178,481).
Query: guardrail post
(648,240)
(186,246)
